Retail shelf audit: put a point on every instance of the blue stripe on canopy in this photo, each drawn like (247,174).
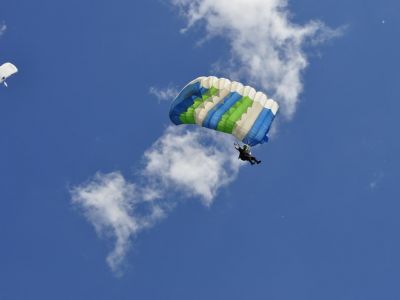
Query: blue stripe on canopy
(206,122)
(185,100)
(263,130)
(227,104)
(260,128)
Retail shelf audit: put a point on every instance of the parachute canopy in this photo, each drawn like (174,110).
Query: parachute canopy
(226,106)
(6,70)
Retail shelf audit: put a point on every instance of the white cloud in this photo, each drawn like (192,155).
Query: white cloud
(376,181)
(196,162)
(3,28)
(165,94)
(188,162)
(109,202)
(266,46)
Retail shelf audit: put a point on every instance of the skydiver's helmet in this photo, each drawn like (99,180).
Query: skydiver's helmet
(246,148)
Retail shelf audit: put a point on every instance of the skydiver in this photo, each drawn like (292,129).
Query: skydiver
(245,154)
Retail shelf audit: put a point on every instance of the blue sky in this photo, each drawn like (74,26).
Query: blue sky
(318,219)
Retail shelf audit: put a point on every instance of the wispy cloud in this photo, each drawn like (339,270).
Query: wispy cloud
(266,47)
(181,162)
(3,28)
(197,162)
(108,203)
(376,181)
(164,94)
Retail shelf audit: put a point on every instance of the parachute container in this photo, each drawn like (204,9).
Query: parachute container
(6,70)
(226,106)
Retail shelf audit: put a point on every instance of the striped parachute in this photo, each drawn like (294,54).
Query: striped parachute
(226,106)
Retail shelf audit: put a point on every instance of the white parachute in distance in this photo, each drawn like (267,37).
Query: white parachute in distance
(6,70)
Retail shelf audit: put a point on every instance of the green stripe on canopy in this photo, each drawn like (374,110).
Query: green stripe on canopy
(187,117)
(234,114)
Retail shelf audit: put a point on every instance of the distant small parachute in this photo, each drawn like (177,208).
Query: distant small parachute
(226,106)
(6,70)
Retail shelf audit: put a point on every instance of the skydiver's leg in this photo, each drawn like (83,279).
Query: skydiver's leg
(254,160)
(247,157)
